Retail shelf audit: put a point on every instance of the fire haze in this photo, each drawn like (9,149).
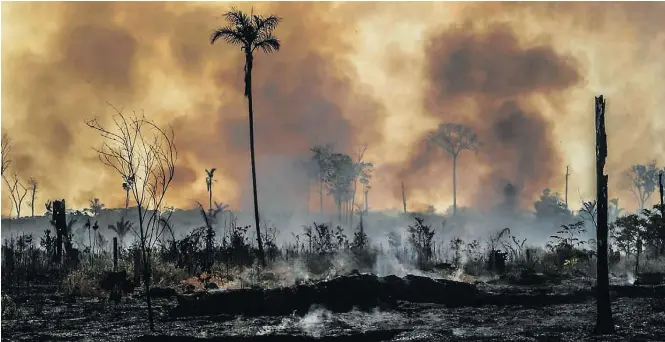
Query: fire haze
(522,75)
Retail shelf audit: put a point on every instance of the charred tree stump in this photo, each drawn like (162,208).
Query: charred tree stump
(115,254)
(60,222)
(604,322)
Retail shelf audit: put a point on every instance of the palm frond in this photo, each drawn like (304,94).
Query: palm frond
(221,206)
(204,214)
(268,43)
(230,35)
(211,172)
(237,17)
(113,228)
(266,24)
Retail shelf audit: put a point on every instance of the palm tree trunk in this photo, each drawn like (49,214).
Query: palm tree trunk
(210,198)
(454,184)
(248,93)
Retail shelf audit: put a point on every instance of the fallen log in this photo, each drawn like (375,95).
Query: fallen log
(653,278)
(342,294)
(366,292)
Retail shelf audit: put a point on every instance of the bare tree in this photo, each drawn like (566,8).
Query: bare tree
(17,192)
(643,182)
(6,149)
(454,138)
(250,32)
(141,152)
(33,184)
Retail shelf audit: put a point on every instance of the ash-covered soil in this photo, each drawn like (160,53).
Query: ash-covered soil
(561,312)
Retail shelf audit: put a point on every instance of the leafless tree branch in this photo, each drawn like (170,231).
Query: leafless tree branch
(6,149)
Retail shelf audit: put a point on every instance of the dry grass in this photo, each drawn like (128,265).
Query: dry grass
(82,282)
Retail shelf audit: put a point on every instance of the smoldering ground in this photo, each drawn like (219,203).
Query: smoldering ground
(517,76)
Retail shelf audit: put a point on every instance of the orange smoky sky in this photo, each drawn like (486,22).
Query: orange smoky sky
(522,75)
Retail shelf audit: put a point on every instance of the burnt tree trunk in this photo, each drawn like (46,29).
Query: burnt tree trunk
(115,254)
(637,257)
(662,211)
(138,264)
(604,322)
(60,222)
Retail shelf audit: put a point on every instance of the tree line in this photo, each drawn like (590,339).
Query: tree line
(341,176)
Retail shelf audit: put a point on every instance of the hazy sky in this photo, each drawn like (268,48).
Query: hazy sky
(522,75)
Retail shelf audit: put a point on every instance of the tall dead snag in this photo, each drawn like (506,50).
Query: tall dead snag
(17,192)
(144,156)
(32,182)
(59,220)
(604,322)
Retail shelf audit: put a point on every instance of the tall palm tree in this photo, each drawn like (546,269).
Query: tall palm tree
(209,175)
(250,32)
(96,206)
(122,228)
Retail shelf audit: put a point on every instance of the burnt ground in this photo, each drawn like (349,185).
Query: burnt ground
(567,315)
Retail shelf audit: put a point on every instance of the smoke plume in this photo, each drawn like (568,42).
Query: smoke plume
(523,76)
